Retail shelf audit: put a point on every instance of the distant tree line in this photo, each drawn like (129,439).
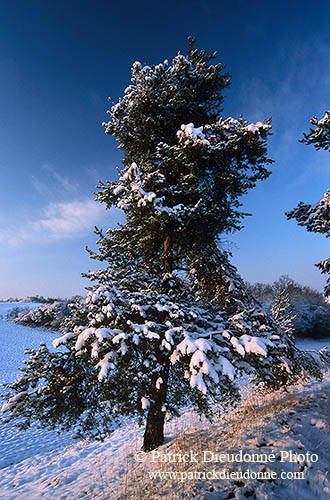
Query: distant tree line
(33,298)
(310,307)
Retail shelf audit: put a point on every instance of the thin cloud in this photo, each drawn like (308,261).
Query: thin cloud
(39,186)
(70,218)
(317,165)
(291,102)
(61,221)
(63,181)
(13,236)
(52,182)
(92,173)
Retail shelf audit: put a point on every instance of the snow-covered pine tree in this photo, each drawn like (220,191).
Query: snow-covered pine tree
(282,310)
(169,322)
(316,218)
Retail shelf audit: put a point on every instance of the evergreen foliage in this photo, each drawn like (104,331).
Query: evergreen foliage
(316,218)
(185,167)
(310,308)
(46,316)
(282,311)
(169,322)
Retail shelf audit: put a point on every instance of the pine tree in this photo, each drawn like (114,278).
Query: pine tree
(316,218)
(281,309)
(186,185)
(169,322)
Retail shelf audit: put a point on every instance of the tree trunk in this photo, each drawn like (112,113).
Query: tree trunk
(154,432)
(168,253)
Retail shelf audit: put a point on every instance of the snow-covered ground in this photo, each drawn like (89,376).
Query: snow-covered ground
(39,464)
(310,344)
(16,446)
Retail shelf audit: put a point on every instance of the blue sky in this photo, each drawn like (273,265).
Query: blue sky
(59,61)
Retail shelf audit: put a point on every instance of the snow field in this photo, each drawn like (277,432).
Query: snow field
(39,464)
(297,420)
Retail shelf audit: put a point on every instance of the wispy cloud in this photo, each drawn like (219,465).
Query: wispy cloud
(39,186)
(13,236)
(292,101)
(300,76)
(50,181)
(70,218)
(62,220)
(92,173)
(63,181)
(314,168)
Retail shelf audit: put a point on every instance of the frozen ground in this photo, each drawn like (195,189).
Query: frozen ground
(38,464)
(14,445)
